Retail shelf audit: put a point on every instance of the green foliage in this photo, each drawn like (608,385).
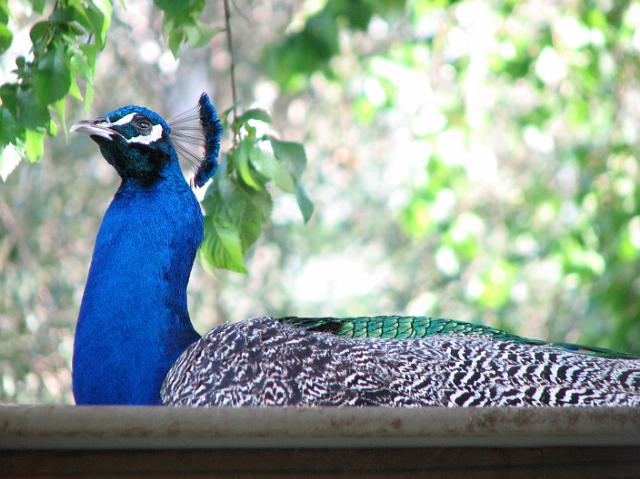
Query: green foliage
(238,202)
(291,60)
(234,221)
(181,24)
(65,48)
(64,51)
(6,36)
(548,101)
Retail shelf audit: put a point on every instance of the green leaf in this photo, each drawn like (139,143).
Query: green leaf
(264,162)
(292,155)
(78,12)
(199,34)
(38,31)
(9,96)
(251,209)
(241,158)
(175,40)
(90,52)
(88,95)
(224,117)
(255,212)
(52,129)
(230,205)
(304,203)
(181,23)
(34,145)
(182,12)
(4,12)
(283,179)
(52,78)
(293,60)
(255,114)
(100,17)
(268,166)
(31,113)
(222,247)
(79,65)
(10,157)
(74,90)
(59,108)
(6,37)
(8,127)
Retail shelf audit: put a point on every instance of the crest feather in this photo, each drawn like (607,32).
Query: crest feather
(196,136)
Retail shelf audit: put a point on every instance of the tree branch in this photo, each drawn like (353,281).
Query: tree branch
(234,94)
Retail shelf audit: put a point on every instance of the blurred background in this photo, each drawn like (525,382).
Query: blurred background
(476,160)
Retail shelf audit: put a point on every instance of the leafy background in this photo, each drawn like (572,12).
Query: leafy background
(475,160)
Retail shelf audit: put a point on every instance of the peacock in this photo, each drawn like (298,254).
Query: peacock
(135,344)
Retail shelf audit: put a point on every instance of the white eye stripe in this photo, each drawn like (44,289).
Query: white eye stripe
(125,119)
(122,121)
(156,134)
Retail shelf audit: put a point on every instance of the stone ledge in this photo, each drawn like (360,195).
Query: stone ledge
(157,428)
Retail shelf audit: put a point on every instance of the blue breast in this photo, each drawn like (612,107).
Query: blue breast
(133,321)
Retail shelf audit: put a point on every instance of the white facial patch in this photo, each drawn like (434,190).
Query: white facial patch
(155,134)
(125,119)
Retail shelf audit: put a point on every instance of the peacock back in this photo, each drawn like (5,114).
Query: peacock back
(393,361)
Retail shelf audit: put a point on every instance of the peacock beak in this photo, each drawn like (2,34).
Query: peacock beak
(99,127)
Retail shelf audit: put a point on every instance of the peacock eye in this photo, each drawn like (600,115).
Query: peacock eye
(142,124)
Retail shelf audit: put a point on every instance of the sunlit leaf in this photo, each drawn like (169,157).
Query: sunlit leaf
(304,203)
(6,37)
(292,155)
(101,19)
(232,206)
(199,35)
(34,145)
(241,158)
(31,112)
(222,247)
(59,108)
(283,179)
(8,127)
(264,162)
(10,157)
(176,37)
(255,114)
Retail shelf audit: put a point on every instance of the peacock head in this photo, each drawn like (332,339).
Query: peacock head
(140,144)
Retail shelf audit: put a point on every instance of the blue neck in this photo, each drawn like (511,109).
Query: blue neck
(133,321)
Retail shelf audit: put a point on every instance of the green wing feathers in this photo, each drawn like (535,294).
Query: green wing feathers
(392,327)
(418,327)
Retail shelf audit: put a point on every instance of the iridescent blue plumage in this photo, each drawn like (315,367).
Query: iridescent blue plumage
(133,321)
(212,127)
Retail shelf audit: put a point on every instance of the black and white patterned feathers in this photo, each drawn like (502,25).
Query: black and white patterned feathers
(265,362)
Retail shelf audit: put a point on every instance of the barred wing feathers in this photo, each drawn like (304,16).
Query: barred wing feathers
(266,362)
